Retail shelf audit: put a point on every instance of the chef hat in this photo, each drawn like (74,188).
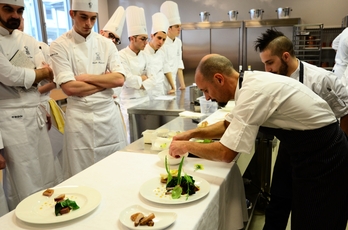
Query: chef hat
(136,23)
(159,23)
(171,10)
(85,5)
(13,2)
(116,22)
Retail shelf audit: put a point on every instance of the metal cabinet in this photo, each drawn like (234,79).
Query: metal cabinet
(327,52)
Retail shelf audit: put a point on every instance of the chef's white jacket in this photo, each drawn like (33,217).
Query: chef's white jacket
(158,61)
(31,165)
(327,85)
(173,50)
(273,101)
(341,58)
(94,127)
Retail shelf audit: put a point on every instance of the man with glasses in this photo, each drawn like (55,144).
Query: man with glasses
(157,56)
(29,160)
(114,27)
(87,67)
(138,72)
(173,46)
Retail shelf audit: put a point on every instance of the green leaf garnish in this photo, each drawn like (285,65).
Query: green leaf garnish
(176,193)
(168,171)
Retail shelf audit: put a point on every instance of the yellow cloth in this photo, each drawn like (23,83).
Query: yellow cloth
(58,115)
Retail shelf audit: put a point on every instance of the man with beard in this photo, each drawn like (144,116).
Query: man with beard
(299,118)
(278,56)
(30,165)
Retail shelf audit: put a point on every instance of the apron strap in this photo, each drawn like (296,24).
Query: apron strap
(301,72)
(241,79)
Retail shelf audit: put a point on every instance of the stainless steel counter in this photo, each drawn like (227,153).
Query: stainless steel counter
(155,113)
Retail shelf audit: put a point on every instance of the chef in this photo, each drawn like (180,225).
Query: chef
(114,27)
(157,56)
(30,164)
(341,58)
(138,72)
(299,118)
(81,58)
(173,47)
(113,30)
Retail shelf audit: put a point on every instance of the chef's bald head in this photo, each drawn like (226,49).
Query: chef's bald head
(212,64)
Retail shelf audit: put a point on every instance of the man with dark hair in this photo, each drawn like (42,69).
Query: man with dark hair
(299,118)
(278,56)
(27,160)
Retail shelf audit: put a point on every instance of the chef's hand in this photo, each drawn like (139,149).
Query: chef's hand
(172,91)
(177,148)
(2,162)
(183,87)
(82,77)
(144,77)
(49,121)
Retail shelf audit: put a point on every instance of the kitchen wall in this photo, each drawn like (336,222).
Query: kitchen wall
(310,12)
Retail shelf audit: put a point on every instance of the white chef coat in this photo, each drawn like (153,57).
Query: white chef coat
(173,50)
(30,163)
(94,127)
(272,101)
(341,58)
(45,97)
(325,84)
(158,59)
(3,202)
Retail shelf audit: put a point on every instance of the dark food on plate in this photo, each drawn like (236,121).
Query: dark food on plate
(64,206)
(187,186)
(48,192)
(139,219)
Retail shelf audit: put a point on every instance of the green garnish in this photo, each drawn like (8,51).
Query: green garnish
(168,171)
(189,181)
(176,193)
(198,167)
(63,204)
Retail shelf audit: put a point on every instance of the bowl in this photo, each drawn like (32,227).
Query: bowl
(171,160)
(161,143)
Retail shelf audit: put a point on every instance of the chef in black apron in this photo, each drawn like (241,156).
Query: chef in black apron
(300,119)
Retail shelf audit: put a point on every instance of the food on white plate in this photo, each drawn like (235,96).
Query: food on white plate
(48,192)
(139,219)
(179,185)
(64,206)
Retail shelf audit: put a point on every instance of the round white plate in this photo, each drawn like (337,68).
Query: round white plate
(161,220)
(171,160)
(39,209)
(153,190)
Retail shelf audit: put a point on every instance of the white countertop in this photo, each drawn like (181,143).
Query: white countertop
(119,177)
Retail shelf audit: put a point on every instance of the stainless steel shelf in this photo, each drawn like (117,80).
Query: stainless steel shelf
(211,25)
(272,22)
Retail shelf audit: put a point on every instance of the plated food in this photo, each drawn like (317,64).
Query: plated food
(40,209)
(160,219)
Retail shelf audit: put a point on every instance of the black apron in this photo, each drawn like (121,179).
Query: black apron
(319,164)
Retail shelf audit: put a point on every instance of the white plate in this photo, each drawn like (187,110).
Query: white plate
(39,209)
(153,190)
(161,220)
(171,160)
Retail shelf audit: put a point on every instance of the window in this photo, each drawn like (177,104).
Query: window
(46,20)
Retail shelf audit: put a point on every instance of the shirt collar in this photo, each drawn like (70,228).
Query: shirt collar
(296,73)
(3,31)
(78,38)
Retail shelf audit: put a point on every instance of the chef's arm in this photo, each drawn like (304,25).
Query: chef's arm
(2,162)
(80,88)
(211,151)
(171,82)
(344,123)
(46,87)
(44,73)
(109,80)
(213,131)
(181,79)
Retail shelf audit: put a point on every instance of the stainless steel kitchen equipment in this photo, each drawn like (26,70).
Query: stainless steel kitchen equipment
(283,12)
(195,93)
(204,16)
(232,15)
(256,14)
